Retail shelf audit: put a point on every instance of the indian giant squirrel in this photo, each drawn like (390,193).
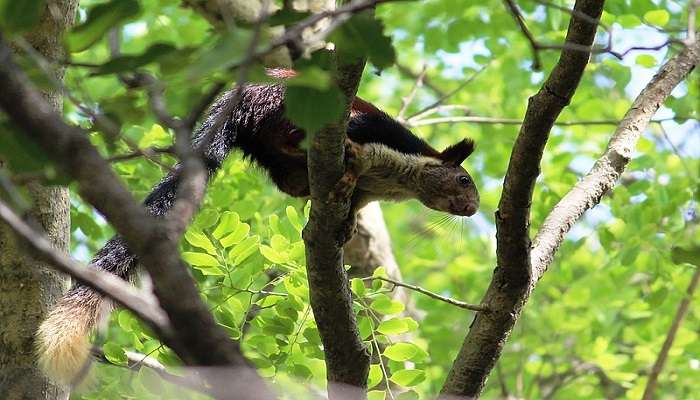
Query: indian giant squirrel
(394,164)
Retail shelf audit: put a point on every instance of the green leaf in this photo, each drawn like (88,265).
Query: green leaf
(358,287)
(19,153)
(279,242)
(287,16)
(229,50)
(311,109)
(376,395)
(311,77)
(87,224)
(301,371)
(375,375)
(384,305)
(244,250)
(363,36)
(684,255)
(132,62)
(200,259)
(114,353)
(240,233)
(228,223)
(20,15)
(206,219)
(408,377)
(657,17)
(100,19)
(628,21)
(365,327)
(294,219)
(408,395)
(125,320)
(272,255)
(199,239)
(393,326)
(645,60)
(380,272)
(401,351)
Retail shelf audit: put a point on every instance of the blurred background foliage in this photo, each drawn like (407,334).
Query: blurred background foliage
(594,326)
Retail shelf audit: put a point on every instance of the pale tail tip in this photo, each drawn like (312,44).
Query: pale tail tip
(62,343)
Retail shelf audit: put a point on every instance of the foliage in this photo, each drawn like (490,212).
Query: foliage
(608,300)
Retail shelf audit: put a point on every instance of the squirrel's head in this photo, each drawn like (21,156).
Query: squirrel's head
(446,186)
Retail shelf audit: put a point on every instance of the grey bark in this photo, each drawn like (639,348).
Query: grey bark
(347,359)
(30,287)
(509,288)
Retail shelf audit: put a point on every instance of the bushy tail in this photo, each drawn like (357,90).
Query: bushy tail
(62,342)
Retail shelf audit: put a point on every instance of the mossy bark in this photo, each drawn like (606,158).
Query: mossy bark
(28,287)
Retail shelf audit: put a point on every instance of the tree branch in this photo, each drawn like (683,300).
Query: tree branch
(146,236)
(508,290)
(671,336)
(605,172)
(514,121)
(107,284)
(347,359)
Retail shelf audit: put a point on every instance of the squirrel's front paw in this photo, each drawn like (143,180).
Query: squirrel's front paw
(353,169)
(349,228)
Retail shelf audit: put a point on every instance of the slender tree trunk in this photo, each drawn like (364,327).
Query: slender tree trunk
(28,287)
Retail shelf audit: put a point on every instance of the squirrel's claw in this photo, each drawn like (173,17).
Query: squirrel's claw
(353,169)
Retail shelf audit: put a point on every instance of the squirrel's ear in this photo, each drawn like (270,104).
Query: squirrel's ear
(458,152)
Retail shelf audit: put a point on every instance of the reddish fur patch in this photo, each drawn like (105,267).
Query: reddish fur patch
(361,106)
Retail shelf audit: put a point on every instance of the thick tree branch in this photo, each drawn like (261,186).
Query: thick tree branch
(107,284)
(606,171)
(347,359)
(671,336)
(146,236)
(508,290)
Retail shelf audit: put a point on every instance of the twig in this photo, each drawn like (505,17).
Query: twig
(671,336)
(676,151)
(406,101)
(448,300)
(426,81)
(534,46)
(147,152)
(140,303)
(607,49)
(466,110)
(101,121)
(444,97)
(514,121)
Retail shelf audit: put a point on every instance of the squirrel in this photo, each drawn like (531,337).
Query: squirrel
(391,164)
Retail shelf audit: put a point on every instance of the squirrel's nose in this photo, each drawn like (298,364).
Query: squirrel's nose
(470,209)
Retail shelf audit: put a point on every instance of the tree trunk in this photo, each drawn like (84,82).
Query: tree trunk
(28,287)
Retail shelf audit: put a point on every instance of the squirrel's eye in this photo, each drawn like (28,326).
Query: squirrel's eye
(464,180)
